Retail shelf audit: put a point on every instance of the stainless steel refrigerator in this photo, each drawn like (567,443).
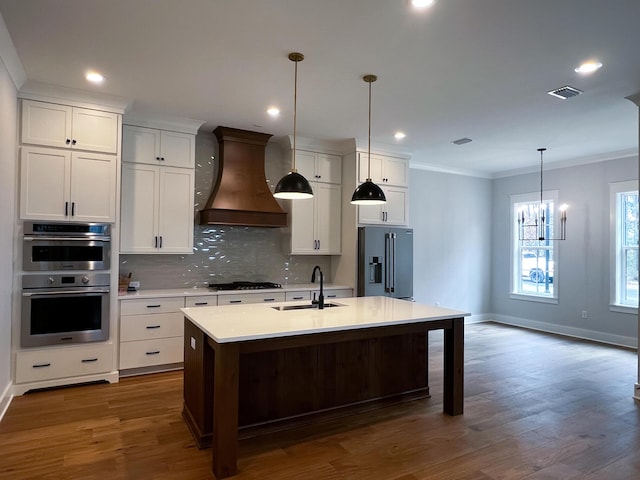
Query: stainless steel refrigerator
(385,262)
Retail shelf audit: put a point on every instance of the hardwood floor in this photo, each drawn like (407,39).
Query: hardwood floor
(537,406)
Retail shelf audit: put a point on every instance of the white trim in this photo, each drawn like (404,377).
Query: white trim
(584,334)
(615,188)
(22,388)
(478,318)
(73,97)
(163,122)
(636,391)
(533,298)
(5,401)
(9,56)
(450,170)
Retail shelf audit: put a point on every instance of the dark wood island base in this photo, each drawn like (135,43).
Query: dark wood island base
(243,388)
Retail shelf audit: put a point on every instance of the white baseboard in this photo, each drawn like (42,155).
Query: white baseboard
(22,388)
(478,318)
(584,334)
(5,400)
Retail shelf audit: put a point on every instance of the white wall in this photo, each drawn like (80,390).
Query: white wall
(451,218)
(583,258)
(8,120)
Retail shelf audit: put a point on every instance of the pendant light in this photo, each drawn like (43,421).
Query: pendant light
(368,193)
(537,230)
(294,186)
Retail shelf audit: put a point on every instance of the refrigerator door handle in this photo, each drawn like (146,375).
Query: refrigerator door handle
(387,262)
(393,263)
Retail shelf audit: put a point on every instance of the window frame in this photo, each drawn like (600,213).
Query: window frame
(616,268)
(515,247)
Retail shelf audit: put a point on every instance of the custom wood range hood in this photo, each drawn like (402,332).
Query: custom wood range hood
(241,195)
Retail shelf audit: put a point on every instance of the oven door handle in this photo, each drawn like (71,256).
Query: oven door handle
(73,239)
(66,292)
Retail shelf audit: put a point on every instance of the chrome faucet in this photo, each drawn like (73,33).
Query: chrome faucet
(320,301)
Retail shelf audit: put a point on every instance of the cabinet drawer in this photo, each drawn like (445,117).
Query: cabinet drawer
(297,295)
(202,301)
(145,327)
(251,298)
(146,353)
(143,306)
(336,293)
(37,365)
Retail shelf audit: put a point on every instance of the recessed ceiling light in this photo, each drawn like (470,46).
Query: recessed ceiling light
(399,135)
(273,111)
(422,3)
(94,77)
(588,67)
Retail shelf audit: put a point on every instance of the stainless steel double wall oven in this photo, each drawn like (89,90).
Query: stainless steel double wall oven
(67,300)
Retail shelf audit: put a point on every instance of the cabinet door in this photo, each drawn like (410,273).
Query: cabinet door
(376,167)
(396,206)
(175,214)
(93,187)
(395,172)
(140,145)
(306,164)
(328,168)
(44,183)
(46,124)
(302,221)
(371,214)
(139,208)
(328,218)
(177,149)
(94,130)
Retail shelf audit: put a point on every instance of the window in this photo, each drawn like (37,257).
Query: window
(533,272)
(624,242)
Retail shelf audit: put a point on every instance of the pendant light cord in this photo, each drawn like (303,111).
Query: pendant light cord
(295,109)
(369,139)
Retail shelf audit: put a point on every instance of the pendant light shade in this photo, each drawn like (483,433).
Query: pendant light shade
(293,186)
(368,193)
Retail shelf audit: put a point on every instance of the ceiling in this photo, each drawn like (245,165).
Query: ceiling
(464,68)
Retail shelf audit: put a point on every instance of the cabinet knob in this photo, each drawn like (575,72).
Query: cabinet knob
(162,159)
(73,142)
(158,158)
(68,141)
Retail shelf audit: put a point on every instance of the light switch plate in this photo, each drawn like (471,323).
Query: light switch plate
(193,343)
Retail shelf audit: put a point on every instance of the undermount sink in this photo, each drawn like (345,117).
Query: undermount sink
(305,306)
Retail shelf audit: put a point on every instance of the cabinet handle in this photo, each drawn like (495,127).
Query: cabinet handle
(331,296)
(73,209)
(235,301)
(152,327)
(89,360)
(268,299)
(298,298)
(155,352)
(160,241)
(66,209)
(153,306)
(68,141)
(41,365)
(201,303)
(156,241)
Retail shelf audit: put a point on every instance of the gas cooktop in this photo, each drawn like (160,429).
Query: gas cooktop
(244,286)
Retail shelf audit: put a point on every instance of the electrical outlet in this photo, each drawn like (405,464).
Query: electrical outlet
(584,314)
(437,304)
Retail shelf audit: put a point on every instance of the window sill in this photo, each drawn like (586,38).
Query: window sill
(533,298)
(623,309)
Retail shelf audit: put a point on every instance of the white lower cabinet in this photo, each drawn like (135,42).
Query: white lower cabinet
(70,361)
(236,299)
(151,332)
(335,293)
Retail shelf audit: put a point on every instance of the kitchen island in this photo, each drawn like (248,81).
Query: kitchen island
(254,367)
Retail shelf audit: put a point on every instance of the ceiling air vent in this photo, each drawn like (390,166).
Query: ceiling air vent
(565,92)
(461,141)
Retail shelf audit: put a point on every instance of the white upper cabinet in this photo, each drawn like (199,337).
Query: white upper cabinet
(67,186)
(156,209)
(63,126)
(316,222)
(394,212)
(319,167)
(385,170)
(158,147)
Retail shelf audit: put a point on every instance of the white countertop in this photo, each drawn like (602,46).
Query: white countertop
(233,323)
(193,292)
